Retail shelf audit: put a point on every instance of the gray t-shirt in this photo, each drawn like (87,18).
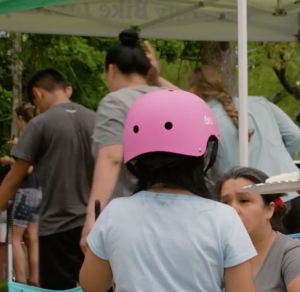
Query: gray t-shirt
(281,266)
(58,144)
(108,130)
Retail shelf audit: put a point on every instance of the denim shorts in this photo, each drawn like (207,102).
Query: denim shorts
(27,206)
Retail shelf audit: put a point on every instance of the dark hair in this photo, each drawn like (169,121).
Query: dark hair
(256,176)
(48,79)
(26,111)
(171,171)
(128,56)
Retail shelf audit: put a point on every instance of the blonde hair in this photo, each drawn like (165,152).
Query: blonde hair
(209,83)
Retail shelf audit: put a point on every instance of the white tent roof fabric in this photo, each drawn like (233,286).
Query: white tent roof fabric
(207,20)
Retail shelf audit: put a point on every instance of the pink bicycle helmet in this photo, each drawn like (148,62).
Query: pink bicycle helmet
(172,121)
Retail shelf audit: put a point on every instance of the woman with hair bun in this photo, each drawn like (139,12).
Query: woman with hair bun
(127,69)
(276,267)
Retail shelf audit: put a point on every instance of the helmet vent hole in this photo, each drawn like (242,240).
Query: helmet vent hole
(168,125)
(136,129)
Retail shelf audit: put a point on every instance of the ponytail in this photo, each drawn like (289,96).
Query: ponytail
(228,104)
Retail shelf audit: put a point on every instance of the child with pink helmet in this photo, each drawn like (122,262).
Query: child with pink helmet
(170,235)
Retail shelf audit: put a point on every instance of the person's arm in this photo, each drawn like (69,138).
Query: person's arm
(239,278)
(96,274)
(14,141)
(108,147)
(289,131)
(154,74)
(6,160)
(291,268)
(238,250)
(106,173)
(294,286)
(108,144)
(24,154)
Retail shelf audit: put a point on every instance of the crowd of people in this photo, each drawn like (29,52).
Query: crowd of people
(163,163)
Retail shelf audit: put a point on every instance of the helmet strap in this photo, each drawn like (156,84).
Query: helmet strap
(212,152)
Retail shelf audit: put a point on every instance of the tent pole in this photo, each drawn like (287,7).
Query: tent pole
(243,81)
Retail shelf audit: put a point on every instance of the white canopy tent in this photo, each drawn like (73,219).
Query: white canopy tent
(207,20)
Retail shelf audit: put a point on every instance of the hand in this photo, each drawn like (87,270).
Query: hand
(154,71)
(6,160)
(89,222)
(14,141)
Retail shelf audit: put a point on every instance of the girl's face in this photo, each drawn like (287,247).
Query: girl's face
(250,207)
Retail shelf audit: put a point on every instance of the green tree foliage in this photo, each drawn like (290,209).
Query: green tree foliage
(78,60)
(274,72)
(5,94)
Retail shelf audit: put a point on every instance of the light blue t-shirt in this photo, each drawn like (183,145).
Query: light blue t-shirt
(169,242)
(273,146)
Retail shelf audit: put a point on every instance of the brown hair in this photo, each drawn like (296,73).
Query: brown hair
(256,176)
(26,111)
(210,83)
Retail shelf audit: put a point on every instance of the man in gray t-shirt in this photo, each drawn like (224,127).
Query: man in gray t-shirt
(57,142)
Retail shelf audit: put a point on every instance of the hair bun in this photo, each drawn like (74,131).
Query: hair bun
(128,38)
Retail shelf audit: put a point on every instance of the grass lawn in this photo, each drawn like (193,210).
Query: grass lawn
(3,286)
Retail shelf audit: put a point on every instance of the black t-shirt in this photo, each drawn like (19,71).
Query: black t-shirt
(58,144)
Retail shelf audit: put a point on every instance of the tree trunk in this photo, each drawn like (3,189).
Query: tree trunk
(223,56)
(17,80)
